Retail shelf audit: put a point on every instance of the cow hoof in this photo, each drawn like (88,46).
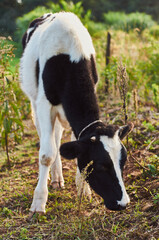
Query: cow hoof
(38,205)
(39,201)
(57,185)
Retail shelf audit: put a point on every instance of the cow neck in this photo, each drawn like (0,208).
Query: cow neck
(80,116)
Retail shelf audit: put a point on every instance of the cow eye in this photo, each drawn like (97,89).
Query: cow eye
(93,139)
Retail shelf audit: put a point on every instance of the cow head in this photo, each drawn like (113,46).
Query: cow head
(106,153)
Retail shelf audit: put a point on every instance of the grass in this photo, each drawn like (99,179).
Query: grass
(63,219)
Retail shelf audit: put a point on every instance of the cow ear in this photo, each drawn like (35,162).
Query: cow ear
(71,150)
(125,130)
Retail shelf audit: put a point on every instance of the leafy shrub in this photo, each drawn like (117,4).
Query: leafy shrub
(23,22)
(115,19)
(95,28)
(127,22)
(150,67)
(155,89)
(154,31)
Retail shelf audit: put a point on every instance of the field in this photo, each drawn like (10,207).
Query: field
(67,216)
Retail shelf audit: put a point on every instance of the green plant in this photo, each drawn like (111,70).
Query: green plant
(127,22)
(156,198)
(149,68)
(148,126)
(155,89)
(154,31)
(23,233)
(152,169)
(7,212)
(11,126)
(24,21)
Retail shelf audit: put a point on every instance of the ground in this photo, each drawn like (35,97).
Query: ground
(67,217)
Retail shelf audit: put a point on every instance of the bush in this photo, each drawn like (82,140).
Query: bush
(155,89)
(127,22)
(154,31)
(150,67)
(95,28)
(23,22)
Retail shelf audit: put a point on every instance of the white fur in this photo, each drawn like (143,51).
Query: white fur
(113,147)
(64,34)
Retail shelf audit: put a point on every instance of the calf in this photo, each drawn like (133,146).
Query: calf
(58,74)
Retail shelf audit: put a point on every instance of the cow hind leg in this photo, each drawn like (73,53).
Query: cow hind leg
(57,179)
(35,117)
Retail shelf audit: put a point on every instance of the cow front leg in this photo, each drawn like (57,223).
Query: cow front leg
(82,186)
(47,153)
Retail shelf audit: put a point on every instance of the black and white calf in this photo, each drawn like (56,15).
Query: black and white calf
(58,74)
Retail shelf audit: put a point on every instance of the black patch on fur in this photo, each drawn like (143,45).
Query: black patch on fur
(123,157)
(30,34)
(72,85)
(94,69)
(108,130)
(24,40)
(37,72)
(52,19)
(34,24)
(98,129)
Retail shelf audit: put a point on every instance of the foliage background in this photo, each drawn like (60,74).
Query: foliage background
(134,45)
(10,10)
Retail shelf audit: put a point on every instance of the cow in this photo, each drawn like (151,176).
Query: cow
(58,73)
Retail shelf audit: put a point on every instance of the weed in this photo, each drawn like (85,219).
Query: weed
(152,169)
(122,83)
(23,233)
(135,97)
